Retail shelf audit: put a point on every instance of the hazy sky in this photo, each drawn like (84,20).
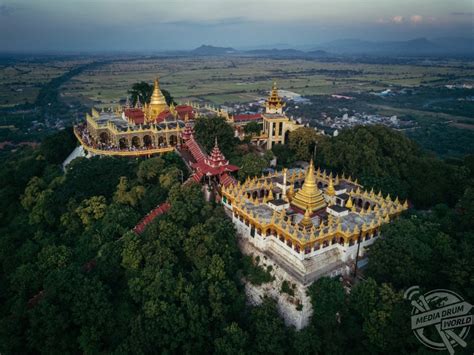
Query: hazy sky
(29,25)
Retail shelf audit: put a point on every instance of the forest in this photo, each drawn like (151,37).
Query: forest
(75,279)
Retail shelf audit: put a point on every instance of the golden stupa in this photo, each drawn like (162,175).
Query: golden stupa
(309,196)
(157,102)
(306,222)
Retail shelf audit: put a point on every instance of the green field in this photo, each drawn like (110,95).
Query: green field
(21,82)
(232,80)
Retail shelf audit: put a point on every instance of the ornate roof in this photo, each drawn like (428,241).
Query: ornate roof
(214,164)
(274,100)
(309,196)
(188,132)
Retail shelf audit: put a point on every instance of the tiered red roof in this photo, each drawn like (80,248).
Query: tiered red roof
(188,132)
(215,164)
(248,117)
(135,114)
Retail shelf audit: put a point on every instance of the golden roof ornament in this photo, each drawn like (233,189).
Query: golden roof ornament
(330,190)
(356,229)
(270,195)
(349,203)
(309,195)
(306,221)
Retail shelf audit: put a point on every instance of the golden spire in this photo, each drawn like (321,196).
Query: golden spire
(157,97)
(349,203)
(290,193)
(330,190)
(306,221)
(405,204)
(270,195)
(274,101)
(309,196)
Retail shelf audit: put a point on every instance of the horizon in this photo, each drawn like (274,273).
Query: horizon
(149,26)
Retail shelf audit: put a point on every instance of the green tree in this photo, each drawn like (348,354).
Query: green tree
(303,141)
(144,91)
(328,299)
(92,209)
(58,146)
(234,341)
(207,129)
(252,165)
(384,317)
(284,154)
(126,194)
(149,170)
(410,252)
(253,128)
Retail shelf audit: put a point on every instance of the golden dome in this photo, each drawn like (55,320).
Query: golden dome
(309,196)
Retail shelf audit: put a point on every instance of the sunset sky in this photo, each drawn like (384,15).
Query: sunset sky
(70,25)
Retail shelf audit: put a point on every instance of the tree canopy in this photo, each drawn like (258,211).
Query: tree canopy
(76,279)
(207,129)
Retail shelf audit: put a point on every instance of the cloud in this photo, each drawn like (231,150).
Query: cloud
(398,19)
(209,23)
(416,19)
(6,10)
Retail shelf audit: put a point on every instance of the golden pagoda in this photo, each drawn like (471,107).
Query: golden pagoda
(331,191)
(306,222)
(157,102)
(309,196)
(274,103)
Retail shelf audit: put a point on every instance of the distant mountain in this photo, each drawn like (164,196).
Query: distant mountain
(285,53)
(212,50)
(317,53)
(418,46)
(276,52)
(207,50)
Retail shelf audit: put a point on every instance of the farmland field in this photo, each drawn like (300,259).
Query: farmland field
(443,115)
(21,81)
(240,79)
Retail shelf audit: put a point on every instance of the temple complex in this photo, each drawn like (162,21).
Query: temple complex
(156,127)
(143,130)
(306,225)
(306,215)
